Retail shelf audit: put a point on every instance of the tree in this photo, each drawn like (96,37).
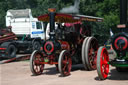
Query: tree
(107,9)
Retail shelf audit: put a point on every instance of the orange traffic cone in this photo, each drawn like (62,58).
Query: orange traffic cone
(111,47)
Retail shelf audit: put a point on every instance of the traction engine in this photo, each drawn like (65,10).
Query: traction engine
(119,45)
(68,44)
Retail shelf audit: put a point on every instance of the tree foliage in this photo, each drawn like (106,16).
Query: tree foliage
(107,9)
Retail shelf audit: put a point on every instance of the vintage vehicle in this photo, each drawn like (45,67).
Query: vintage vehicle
(28,31)
(68,44)
(6,47)
(119,45)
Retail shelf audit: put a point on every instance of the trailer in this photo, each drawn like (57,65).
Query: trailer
(28,30)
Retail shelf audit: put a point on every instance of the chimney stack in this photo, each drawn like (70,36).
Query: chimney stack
(123,12)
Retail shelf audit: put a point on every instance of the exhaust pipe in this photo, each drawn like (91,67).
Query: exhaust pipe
(123,11)
(52,22)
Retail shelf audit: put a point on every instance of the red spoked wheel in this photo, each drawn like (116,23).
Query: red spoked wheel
(91,49)
(35,63)
(102,63)
(65,63)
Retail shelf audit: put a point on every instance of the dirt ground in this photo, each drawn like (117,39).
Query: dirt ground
(18,73)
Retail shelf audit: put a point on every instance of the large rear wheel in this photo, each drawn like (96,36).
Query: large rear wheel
(65,63)
(36,65)
(83,52)
(91,49)
(102,63)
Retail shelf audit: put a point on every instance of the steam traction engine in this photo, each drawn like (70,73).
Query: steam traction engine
(119,44)
(67,45)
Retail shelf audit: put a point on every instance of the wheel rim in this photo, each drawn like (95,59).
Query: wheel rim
(104,63)
(65,63)
(36,66)
(83,53)
(91,53)
(103,66)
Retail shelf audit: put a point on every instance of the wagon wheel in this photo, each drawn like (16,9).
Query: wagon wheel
(35,63)
(64,63)
(83,52)
(91,48)
(102,63)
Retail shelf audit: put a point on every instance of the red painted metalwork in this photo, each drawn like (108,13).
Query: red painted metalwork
(92,57)
(72,24)
(49,63)
(51,59)
(70,42)
(60,17)
(121,38)
(67,63)
(2,48)
(92,48)
(52,47)
(37,66)
(7,36)
(104,66)
(64,45)
(68,18)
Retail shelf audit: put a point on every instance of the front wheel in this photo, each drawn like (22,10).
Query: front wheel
(102,63)
(83,53)
(36,64)
(64,63)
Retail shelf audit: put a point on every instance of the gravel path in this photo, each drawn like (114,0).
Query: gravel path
(18,73)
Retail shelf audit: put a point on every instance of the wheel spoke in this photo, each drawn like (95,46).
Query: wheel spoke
(90,58)
(64,62)
(95,57)
(106,69)
(36,68)
(66,58)
(64,67)
(104,62)
(89,53)
(92,55)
